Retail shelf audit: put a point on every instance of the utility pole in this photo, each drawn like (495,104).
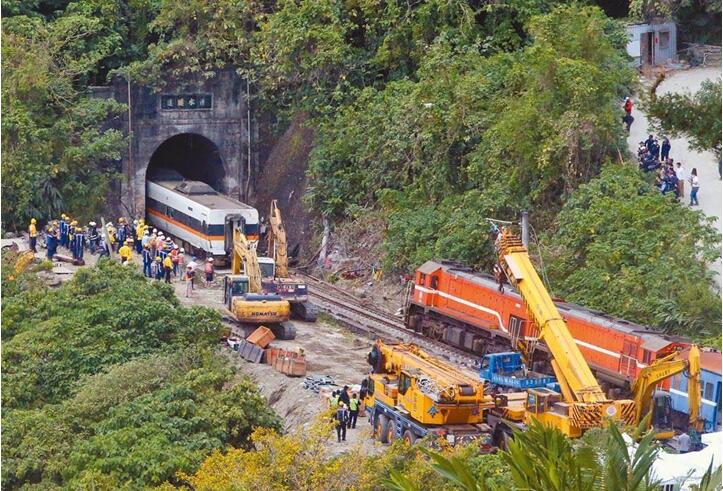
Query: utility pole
(131,191)
(525,228)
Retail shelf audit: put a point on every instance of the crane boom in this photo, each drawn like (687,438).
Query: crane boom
(276,241)
(245,254)
(571,369)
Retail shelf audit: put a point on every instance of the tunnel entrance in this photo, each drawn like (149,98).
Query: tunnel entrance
(193,156)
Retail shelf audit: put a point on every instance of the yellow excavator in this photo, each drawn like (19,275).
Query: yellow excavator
(655,406)
(244,296)
(411,394)
(582,404)
(275,270)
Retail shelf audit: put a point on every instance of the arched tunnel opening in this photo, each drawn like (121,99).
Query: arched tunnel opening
(193,156)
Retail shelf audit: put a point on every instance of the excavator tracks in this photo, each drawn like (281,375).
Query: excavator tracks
(362,318)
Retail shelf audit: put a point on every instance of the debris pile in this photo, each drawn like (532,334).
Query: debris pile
(257,348)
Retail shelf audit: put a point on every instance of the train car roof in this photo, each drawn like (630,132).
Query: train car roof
(653,340)
(212,199)
(709,360)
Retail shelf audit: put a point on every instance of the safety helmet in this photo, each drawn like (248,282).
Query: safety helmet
(135,222)
(33,220)
(145,232)
(129,241)
(109,224)
(121,220)
(147,246)
(78,229)
(102,236)
(158,259)
(175,246)
(155,230)
(210,259)
(168,239)
(50,230)
(74,223)
(62,215)
(92,224)
(183,250)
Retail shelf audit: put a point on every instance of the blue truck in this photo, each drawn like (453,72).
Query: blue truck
(505,371)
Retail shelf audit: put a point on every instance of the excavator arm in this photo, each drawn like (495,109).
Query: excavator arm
(573,373)
(276,241)
(661,369)
(245,254)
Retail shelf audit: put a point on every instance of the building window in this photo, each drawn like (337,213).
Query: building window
(664,40)
(667,487)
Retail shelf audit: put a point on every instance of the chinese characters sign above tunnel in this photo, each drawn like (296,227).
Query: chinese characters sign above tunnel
(186,101)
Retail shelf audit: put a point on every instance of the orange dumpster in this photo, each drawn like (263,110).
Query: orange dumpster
(261,337)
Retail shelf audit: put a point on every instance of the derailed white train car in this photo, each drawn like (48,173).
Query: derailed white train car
(202,218)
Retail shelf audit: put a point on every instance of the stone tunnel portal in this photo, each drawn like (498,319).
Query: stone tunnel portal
(193,156)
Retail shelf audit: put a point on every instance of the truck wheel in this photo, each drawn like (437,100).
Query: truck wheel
(409,437)
(391,432)
(382,429)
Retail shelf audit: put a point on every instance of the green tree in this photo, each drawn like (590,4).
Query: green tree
(58,153)
(622,247)
(696,116)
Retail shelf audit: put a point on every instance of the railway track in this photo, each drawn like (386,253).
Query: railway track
(373,322)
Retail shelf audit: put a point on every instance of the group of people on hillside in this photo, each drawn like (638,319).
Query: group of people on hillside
(161,256)
(346,411)
(670,177)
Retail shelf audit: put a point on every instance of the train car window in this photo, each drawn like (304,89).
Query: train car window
(422,278)
(434,283)
(204,227)
(708,391)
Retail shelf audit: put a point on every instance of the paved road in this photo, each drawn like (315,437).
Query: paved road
(709,194)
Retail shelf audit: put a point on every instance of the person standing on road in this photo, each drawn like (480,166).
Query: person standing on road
(682,176)
(334,400)
(665,149)
(168,267)
(174,259)
(189,281)
(628,106)
(33,234)
(51,242)
(79,243)
(147,261)
(694,187)
(208,269)
(353,410)
(158,268)
(125,252)
(344,395)
(193,265)
(342,419)
(103,247)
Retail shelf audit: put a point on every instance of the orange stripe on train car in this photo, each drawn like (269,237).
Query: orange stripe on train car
(183,226)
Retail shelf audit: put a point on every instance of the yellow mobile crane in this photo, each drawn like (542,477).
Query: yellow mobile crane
(582,404)
(659,416)
(277,278)
(244,296)
(411,394)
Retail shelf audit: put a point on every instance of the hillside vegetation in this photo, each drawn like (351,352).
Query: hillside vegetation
(108,383)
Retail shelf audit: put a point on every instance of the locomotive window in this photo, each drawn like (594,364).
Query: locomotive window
(646,356)
(422,277)
(434,283)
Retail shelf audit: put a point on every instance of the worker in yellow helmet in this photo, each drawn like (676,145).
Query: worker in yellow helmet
(168,267)
(111,235)
(71,234)
(126,252)
(33,233)
(139,236)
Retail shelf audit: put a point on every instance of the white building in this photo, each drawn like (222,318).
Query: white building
(652,44)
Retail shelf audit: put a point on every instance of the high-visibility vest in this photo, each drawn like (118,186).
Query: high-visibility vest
(353,404)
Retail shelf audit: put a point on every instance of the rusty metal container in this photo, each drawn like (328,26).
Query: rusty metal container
(261,337)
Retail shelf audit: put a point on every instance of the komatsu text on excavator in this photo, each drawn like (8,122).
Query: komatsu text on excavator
(244,296)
